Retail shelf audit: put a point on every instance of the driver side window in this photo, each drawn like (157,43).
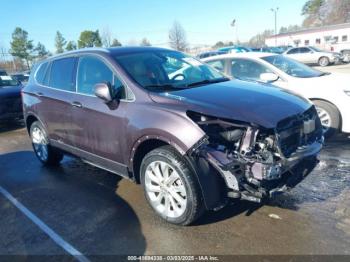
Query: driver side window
(91,71)
(247,69)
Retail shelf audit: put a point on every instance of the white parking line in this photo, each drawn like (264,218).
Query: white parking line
(52,234)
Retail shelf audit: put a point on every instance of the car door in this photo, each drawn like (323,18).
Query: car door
(98,128)
(55,85)
(306,55)
(293,53)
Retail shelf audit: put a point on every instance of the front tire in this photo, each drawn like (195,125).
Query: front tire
(170,186)
(43,150)
(329,116)
(323,61)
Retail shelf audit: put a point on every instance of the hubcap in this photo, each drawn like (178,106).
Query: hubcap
(165,189)
(325,118)
(324,61)
(39,143)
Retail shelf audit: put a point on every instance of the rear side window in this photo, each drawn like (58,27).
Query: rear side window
(90,72)
(293,51)
(62,74)
(304,50)
(40,74)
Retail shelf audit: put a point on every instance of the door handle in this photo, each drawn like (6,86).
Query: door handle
(39,94)
(77,104)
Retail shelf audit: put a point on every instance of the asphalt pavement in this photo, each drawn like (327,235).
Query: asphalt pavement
(98,213)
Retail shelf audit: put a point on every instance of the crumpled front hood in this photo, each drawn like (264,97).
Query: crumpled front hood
(260,104)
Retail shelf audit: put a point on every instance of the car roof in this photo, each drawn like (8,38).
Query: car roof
(115,51)
(240,55)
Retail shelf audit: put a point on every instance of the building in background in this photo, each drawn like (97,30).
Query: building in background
(332,37)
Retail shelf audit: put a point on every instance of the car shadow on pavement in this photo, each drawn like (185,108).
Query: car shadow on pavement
(233,209)
(11,125)
(76,200)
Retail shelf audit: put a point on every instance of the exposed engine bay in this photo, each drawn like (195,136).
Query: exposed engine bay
(256,162)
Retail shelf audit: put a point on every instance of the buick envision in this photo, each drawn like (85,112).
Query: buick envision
(191,137)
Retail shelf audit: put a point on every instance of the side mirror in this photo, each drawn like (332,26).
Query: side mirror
(268,77)
(103,91)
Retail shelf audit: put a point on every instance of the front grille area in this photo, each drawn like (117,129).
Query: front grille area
(291,132)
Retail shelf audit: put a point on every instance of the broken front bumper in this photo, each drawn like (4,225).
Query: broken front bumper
(293,170)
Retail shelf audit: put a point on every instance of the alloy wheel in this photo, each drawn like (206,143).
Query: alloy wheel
(165,189)
(325,118)
(324,61)
(40,143)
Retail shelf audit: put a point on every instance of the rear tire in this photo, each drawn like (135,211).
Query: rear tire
(330,117)
(177,200)
(323,61)
(43,150)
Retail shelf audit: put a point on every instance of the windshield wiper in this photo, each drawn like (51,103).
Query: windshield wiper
(208,81)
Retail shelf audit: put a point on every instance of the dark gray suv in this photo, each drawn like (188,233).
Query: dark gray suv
(191,137)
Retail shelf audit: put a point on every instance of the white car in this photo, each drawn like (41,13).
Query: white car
(330,92)
(313,55)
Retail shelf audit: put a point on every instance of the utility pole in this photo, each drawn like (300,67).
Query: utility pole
(275,10)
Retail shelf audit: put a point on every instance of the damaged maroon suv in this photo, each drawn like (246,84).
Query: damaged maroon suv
(191,137)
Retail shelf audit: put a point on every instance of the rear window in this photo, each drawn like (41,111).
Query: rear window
(40,74)
(62,74)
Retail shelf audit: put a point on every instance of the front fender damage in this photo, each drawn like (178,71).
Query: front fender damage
(249,160)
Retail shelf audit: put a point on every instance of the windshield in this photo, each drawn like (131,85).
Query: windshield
(7,81)
(292,67)
(167,70)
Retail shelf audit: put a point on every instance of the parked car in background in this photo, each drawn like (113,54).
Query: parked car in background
(276,50)
(193,140)
(234,49)
(3,72)
(10,99)
(21,77)
(210,53)
(313,55)
(330,92)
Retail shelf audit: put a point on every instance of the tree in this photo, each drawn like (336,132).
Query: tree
(106,37)
(326,12)
(311,7)
(89,39)
(219,44)
(177,37)
(71,45)
(290,28)
(41,51)
(21,47)
(60,42)
(259,39)
(145,42)
(115,42)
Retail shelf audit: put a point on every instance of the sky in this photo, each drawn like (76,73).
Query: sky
(205,21)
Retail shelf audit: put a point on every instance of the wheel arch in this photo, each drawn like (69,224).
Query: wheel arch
(30,119)
(142,147)
(210,182)
(329,102)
